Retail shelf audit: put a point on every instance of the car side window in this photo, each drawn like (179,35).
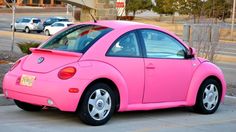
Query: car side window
(60,25)
(126,46)
(48,21)
(18,20)
(25,21)
(54,25)
(161,45)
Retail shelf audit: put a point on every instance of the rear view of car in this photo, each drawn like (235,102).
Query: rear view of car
(56,27)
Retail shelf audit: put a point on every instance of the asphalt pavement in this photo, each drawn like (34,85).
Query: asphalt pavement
(14,119)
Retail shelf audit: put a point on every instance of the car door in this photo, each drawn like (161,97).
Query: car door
(24,23)
(125,56)
(52,28)
(167,71)
(17,23)
(59,27)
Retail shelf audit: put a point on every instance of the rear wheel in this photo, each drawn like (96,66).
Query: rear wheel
(98,105)
(27,30)
(208,98)
(27,106)
(47,33)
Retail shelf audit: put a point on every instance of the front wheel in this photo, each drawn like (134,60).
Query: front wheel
(208,98)
(47,33)
(27,107)
(98,105)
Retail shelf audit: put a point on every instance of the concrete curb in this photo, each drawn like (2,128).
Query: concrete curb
(4,101)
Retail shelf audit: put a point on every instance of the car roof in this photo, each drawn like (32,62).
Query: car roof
(64,22)
(29,18)
(118,24)
(58,17)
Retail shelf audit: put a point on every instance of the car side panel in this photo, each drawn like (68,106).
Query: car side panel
(93,70)
(204,70)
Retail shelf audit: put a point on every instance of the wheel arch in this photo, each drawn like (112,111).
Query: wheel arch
(106,81)
(199,76)
(89,70)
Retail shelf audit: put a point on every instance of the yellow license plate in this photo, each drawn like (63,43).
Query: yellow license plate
(27,80)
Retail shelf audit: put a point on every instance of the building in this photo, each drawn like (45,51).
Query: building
(41,3)
(101,9)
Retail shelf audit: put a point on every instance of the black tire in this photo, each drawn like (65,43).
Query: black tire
(200,106)
(27,30)
(85,108)
(27,106)
(13,29)
(47,33)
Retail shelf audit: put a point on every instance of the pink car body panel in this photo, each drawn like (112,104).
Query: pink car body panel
(132,76)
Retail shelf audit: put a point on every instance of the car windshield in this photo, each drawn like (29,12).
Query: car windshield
(36,21)
(77,39)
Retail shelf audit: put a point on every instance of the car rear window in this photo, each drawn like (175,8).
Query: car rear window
(77,39)
(36,21)
(63,20)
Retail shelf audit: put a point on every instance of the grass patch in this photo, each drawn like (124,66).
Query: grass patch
(25,46)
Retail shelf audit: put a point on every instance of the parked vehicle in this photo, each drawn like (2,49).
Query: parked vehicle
(95,69)
(28,25)
(55,27)
(49,21)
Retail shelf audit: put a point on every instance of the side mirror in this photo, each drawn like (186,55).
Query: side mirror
(191,53)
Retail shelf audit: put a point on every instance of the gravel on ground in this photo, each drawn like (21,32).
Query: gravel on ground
(7,58)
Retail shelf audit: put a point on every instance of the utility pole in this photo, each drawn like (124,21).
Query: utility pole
(13,8)
(13,24)
(232,26)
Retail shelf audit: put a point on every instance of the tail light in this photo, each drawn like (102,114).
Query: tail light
(66,73)
(15,65)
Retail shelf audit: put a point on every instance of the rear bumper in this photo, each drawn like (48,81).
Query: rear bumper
(35,28)
(44,91)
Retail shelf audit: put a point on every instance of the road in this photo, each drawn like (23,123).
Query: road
(180,119)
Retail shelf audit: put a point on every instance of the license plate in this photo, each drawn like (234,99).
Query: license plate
(27,80)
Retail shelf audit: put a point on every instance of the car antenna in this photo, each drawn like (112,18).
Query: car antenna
(95,21)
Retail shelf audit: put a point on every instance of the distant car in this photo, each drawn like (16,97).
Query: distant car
(28,25)
(55,27)
(97,68)
(51,20)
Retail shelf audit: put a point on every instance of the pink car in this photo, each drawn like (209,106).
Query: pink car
(95,69)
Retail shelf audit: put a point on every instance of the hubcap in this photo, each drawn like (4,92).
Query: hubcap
(210,97)
(99,104)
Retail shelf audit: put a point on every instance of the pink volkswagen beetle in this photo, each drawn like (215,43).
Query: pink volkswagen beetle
(95,69)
